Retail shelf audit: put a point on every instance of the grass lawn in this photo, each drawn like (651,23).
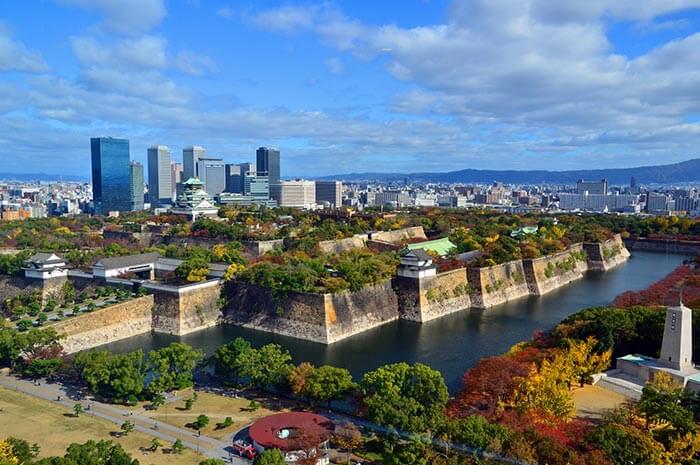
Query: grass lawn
(46,423)
(216,407)
(594,402)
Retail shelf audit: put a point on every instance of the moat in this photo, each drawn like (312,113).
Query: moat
(452,343)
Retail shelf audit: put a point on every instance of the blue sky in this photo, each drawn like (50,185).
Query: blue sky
(411,85)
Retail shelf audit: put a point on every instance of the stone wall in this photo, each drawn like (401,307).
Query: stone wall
(428,298)
(665,246)
(606,255)
(185,309)
(545,274)
(399,235)
(13,286)
(498,284)
(323,318)
(259,248)
(358,241)
(106,324)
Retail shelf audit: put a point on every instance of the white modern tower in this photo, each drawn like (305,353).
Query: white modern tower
(160,191)
(677,345)
(190,157)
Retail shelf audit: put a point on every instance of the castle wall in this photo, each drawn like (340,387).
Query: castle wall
(545,274)
(106,325)
(606,255)
(185,309)
(498,284)
(431,297)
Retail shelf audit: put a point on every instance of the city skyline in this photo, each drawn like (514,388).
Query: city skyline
(430,86)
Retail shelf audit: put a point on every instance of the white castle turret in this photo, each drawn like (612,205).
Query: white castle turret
(677,345)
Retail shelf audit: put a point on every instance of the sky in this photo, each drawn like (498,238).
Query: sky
(353,86)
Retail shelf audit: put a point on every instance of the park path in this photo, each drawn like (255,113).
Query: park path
(51,392)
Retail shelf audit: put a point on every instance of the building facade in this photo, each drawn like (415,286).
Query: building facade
(212,172)
(268,163)
(190,157)
(137,185)
(175,178)
(160,184)
(329,191)
(111,174)
(297,194)
(592,187)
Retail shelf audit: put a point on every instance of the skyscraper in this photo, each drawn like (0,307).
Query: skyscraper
(111,174)
(256,186)
(137,185)
(268,163)
(212,172)
(235,174)
(160,190)
(175,177)
(329,191)
(190,157)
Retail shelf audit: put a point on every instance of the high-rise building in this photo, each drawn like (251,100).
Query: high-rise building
(160,186)
(256,186)
(212,172)
(268,163)
(137,185)
(592,187)
(329,191)
(235,172)
(299,194)
(111,174)
(190,157)
(175,177)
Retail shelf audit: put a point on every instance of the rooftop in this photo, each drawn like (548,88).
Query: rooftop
(441,246)
(278,431)
(128,260)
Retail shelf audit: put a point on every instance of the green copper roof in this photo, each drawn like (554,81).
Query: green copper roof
(441,246)
(193,182)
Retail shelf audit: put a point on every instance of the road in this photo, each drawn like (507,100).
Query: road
(208,446)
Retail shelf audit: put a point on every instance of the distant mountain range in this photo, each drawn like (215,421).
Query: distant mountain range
(687,171)
(26,177)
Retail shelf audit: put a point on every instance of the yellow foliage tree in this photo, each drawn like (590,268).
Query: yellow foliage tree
(7,457)
(197,275)
(546,388)
(232,270)
(585,361)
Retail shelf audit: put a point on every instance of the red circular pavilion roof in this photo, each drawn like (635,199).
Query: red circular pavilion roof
(284,430)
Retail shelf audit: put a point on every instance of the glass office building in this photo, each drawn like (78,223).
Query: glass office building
(111,175)
(268,164)
(137,185)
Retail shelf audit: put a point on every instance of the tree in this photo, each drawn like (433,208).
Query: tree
(171,367)
(270,457)
(348,437)
(328,383)
(201,422)
(155,444)
(212,462)
(127,427)
(178,447)
(194,269)
(546,387)
(157,400)
(7,456)
(661,403)
(97,453)
(25,452)
(78,409)
(625,444)
(298,376)
(188,404)
(225,358)
(109,376)
(408,398)
(228,421)
(266,367)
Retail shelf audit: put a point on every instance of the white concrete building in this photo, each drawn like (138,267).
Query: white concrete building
(297,194)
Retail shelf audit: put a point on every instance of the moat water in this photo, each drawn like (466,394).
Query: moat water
(451,344)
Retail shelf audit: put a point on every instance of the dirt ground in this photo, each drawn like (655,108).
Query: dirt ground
(216,407)
(54,428)
(594,402)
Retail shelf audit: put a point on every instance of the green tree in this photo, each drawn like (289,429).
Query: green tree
(188,404)
(201,422)
(155,444)
(625,444)
(661,404)
(115,377)
(225,359)
(25,452)
(157,400)
(408,398)
(98,453)
(228,421)
(212,462)
(178,447)
(193,269)
(78,409)
(171,367)
(266,367)
(270,457)
(328,383)
(127,427)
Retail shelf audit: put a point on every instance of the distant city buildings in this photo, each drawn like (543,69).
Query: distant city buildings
(190,156)
(111,174)
(330,192)
(136,185)
(175,178)
(160,184)
(297,194)
(592,187)
(212,173)
(268,164)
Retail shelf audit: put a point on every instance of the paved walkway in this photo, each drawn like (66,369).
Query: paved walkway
(167,433)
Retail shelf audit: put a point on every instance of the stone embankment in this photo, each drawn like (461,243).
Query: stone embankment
(323,318)
(106,325)
(664,245)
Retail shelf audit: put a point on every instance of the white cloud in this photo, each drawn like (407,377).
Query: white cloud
(194,64)
(225,12)
(287,19)
(15,56)
(126,16)
(146,52)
